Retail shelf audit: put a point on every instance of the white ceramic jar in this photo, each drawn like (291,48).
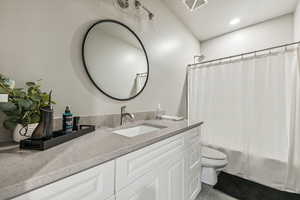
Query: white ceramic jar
(22,133)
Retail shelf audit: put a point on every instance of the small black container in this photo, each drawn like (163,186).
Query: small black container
(45,127)
(76,123)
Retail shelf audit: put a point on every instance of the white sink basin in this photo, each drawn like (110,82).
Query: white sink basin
(138,130)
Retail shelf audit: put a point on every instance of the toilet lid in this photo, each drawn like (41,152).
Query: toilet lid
(212,154)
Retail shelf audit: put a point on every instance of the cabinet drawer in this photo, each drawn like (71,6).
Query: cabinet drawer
(93,184)
(134,165)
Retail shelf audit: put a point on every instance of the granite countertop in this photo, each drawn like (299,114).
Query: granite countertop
(25,170)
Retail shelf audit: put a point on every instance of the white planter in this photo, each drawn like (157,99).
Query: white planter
(22,133)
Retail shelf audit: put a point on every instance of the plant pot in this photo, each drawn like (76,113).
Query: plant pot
(22,133)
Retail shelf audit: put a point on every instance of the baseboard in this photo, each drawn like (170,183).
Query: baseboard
(243,189)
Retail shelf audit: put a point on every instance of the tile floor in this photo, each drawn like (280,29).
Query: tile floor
(208,193)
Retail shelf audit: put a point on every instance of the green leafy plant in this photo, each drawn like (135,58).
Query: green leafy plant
(23,106)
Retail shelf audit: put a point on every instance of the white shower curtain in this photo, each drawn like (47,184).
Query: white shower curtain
(251,110)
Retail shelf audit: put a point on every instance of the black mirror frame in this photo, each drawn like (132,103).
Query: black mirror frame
(85,64)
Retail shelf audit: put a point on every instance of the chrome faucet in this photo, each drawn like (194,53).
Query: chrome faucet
(125,114)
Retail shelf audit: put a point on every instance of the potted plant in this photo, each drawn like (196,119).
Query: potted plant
(23,107)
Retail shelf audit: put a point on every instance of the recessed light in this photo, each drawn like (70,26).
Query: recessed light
(235,21)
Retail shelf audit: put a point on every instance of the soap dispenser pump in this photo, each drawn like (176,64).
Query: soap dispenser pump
(45,127)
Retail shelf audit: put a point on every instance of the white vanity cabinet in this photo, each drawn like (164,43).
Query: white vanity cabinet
(93,184)
(167,170)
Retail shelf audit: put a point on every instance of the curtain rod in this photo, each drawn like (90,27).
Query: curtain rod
(243,54)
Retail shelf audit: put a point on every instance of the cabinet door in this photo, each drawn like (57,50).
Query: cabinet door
(165,182)
(132,166)
(93,184)
(192,163)
(148,187)
(175,177)
(192,186)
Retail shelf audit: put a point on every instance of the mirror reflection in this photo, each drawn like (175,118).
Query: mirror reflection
(115,60)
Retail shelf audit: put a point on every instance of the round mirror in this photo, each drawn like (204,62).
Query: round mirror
(115,60)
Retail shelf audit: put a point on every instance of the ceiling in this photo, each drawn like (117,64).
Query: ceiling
(213,19)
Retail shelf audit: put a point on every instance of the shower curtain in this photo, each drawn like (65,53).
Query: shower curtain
(251,111)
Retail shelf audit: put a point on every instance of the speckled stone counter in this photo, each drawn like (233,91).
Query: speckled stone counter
(24,170)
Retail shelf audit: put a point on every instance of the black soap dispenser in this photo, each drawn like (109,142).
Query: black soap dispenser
(45,128)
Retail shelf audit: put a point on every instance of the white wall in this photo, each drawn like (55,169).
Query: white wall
(270,33)
(297,23)
(41,39)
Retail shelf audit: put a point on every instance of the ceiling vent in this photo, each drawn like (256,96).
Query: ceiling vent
(194,4)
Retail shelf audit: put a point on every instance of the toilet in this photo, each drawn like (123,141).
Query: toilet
(213,161)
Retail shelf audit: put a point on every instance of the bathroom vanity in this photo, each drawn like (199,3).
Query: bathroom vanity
(161,164)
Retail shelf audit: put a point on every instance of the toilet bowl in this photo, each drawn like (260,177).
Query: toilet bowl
(213,162)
